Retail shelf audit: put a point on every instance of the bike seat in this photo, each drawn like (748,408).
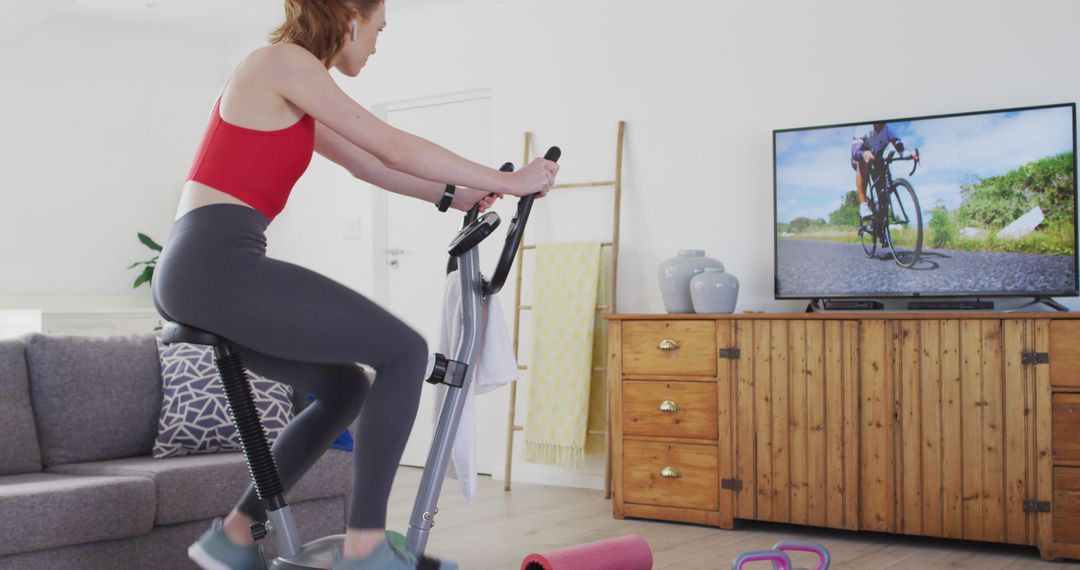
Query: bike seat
(174,332)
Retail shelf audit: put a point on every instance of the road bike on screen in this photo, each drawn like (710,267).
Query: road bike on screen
(894,207)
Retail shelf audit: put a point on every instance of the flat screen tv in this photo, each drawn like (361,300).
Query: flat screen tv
(976,204)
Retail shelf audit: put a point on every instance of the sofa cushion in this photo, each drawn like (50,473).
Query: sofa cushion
(42,510)
(18,438)
(195,414)
(94,397)
(195,487)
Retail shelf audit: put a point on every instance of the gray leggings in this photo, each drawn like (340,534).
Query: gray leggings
(298,327)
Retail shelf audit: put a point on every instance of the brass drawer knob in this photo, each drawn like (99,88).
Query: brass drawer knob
(670,472)
(668,344)
(669,406)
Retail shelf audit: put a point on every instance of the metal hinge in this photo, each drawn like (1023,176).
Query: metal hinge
(1033,506)
(1035,357)
(730,353)
(733,484)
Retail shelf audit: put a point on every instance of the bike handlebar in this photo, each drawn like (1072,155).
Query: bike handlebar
(474,212)
(514,234)
(891,159)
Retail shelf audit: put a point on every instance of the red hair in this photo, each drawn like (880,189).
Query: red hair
(319,25)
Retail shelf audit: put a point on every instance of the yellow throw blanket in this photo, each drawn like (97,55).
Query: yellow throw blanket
(561,366)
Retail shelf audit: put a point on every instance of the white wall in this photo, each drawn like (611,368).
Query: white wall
(21,17)
(701,85)
(100,122)
(102,112)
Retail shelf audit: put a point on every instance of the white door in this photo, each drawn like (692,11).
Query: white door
(414,258)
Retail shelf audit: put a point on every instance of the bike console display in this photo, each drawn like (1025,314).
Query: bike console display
(474,233)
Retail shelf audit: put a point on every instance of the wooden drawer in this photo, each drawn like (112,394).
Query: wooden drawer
(692,469)
(669,347)
(1066,508)
(1065,353)
(670,409)
(1066,436)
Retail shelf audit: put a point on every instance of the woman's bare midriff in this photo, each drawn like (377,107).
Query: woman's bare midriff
(196,195)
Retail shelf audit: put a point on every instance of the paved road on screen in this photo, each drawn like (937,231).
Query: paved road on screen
(824,268)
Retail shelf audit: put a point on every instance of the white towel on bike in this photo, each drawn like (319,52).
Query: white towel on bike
(495,366)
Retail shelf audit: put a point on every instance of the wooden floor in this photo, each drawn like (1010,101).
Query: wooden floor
(501,528)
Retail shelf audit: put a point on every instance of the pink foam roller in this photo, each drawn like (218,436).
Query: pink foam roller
(629,552)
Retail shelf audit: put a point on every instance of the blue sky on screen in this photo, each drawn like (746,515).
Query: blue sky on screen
(813,167)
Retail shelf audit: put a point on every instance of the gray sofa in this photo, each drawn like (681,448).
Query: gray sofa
(78,487)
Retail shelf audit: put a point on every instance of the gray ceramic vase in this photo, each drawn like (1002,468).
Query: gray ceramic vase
(675,275)
(713,291)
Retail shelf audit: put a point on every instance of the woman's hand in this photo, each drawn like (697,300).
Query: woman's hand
(466,198)
(536,178)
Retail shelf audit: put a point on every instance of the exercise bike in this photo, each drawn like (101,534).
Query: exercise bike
(319,553)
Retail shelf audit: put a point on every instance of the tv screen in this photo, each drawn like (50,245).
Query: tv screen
(972,204)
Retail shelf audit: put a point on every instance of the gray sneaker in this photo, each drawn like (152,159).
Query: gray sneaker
(388,557)
(214,551)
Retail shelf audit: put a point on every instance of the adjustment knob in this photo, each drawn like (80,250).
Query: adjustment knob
(436,368)
(258,530)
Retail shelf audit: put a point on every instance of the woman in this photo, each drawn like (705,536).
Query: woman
(291,324)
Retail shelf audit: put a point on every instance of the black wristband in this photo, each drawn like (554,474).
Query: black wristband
(447,198)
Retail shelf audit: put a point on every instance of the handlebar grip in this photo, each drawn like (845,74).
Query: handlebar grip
(525,205)
(514,234)
(553,154)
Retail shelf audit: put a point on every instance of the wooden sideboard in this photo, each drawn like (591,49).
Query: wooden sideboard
(941,424)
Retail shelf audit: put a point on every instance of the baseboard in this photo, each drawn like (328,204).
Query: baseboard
(556,476)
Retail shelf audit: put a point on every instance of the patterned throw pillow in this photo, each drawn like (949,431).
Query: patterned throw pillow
(194,412)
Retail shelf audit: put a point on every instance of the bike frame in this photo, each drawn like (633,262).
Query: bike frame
(881,181)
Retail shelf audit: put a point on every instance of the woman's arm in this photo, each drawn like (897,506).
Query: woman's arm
(364,166)
(305,82)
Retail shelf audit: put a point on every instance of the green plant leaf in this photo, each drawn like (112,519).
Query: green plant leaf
(144,277)
(151,263)
(149,242)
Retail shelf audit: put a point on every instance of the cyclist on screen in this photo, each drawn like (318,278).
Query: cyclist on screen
(863,152)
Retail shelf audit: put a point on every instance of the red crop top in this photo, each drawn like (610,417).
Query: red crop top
(258,167)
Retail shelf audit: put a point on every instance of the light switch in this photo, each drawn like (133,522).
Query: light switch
(350,228)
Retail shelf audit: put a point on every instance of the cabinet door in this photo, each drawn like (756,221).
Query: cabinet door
(964,430)
(795,421)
